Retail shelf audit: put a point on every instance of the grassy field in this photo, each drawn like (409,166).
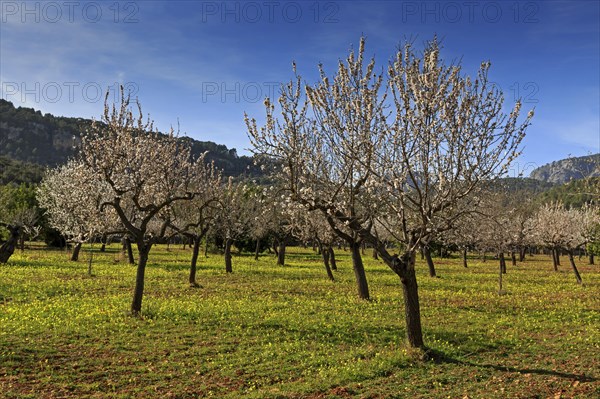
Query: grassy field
(287,332)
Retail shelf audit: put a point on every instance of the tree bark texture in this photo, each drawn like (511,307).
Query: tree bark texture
(228,243)
(430,264)
(138,292)
(75,254)
(359,271)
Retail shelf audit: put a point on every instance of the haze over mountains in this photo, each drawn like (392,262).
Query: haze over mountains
(30,141)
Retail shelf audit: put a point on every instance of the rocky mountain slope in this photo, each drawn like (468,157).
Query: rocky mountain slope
(568,169)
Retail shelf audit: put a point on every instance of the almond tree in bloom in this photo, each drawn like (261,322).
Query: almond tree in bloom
(327,152)
(233,219)
(72,197)
(146,173)
(407,163)
(557,227)
(194,218)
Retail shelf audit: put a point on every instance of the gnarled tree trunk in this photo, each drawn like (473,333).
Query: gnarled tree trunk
(464,257)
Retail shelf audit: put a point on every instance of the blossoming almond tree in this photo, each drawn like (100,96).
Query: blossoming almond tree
(233,219)
(443,135)
(146,173)
(557,227)
(194,218)
(72,197)
(326,152)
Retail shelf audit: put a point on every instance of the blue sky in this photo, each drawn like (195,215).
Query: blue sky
(203,63)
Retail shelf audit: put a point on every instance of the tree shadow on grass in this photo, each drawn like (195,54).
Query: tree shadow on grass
(440,357)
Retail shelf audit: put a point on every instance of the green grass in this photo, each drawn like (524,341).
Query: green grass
(287,332)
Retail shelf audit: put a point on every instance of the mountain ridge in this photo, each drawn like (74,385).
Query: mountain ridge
(568,169)
(30,138)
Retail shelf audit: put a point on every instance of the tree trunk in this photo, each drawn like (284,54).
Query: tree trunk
(22,242)
(501,272)
(513,257)
(281,253)
(554,259)
(326,256)
(143,251)
(405,268)
(483,257)
(464,256)
(359,271)
(332,260)
(194,262)
(127,243)
(430,264)
(522,254)
(228,268)
(8,248)
(591,259)
(103,240)
(575,271)
(375,256)
(75,254)
(257,249)
(557,252)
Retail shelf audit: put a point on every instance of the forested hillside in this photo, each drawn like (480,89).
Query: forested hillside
(28,138)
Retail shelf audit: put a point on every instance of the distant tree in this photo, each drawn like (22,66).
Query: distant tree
(557,227)
(19,215)
(232,221)
(194,218)
(73,197)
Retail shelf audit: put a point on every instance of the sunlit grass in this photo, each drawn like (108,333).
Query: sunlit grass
(287,332)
